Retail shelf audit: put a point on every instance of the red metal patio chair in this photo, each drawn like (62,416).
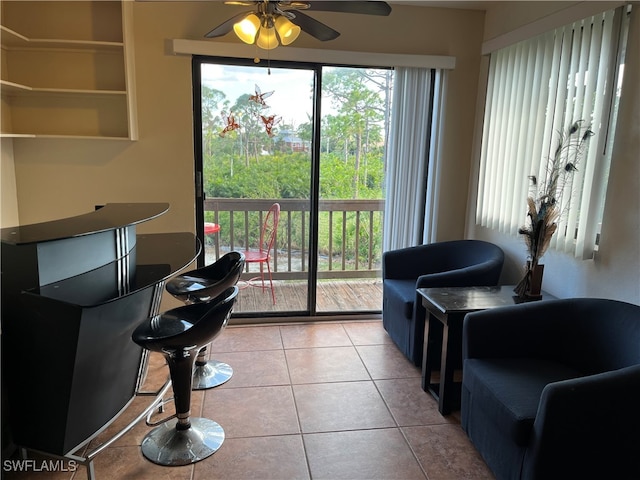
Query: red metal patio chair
(263,254)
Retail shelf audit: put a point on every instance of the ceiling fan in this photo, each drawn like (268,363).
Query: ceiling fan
(275,22)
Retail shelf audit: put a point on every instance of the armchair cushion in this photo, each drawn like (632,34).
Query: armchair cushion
(551,389)
(458,263)
(508,391)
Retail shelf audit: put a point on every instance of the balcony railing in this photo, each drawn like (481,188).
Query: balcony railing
(350,234)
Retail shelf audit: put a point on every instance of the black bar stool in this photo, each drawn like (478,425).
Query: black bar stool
(202,285)
(178,334)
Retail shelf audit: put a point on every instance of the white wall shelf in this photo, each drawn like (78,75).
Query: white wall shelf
(67,82)
(13,40)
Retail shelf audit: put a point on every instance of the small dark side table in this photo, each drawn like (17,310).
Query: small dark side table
(446,308)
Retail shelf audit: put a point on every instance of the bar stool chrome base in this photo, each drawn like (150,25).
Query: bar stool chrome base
(168,446)
(211,374)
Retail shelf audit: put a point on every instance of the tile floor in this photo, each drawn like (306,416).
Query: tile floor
(306,401)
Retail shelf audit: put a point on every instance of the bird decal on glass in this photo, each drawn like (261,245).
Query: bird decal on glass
(259,97)
(231,124)
(270,122)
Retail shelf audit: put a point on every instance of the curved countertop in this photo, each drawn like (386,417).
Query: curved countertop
(109,217)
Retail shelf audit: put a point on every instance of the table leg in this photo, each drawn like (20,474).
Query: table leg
(449,398)
(446,375)
(431,351)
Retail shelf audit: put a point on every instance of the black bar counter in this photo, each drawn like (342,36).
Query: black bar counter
(104,219)
(73,290)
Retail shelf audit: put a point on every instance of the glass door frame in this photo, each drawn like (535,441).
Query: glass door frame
(314,187)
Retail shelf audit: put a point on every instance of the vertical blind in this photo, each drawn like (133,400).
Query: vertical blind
(536,89)
(407,157)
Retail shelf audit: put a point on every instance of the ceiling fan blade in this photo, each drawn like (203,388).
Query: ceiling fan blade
(226,27)
(313,27)
(366,8)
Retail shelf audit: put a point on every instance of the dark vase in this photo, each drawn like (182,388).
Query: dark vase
(530,287)
(535,282)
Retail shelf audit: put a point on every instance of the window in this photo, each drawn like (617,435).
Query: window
(537,89)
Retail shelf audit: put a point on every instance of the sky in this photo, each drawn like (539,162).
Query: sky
(292,88)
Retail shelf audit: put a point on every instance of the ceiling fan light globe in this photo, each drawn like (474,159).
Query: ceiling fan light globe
(247,28)
(267,38)
(287,30)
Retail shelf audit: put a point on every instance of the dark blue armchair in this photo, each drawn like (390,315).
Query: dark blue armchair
(551,389)
(457,263)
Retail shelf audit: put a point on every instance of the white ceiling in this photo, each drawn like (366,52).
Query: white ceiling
(468,5)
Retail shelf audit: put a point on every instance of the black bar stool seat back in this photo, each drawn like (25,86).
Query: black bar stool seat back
(178,334)
(208,282)
(201,285)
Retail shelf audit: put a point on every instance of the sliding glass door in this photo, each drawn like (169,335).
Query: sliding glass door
(310,139)
(355,114)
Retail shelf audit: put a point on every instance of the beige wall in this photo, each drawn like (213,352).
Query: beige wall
(59,178)
(615,270)
(505,17)
(9,212)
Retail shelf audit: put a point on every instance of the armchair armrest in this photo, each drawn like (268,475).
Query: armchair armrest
(473,276)
(594,417)
(410,262)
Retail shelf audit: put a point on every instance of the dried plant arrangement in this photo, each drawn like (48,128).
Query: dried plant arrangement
(545,204)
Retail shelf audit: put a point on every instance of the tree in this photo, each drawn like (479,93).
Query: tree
(382,79)
(252,136)
(360,109)
(213,102)
(305,130)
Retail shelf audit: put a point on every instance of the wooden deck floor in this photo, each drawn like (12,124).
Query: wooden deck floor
(332,296)
(338,295)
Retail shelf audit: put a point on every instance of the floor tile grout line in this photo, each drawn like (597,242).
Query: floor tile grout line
(295,406)
(354,345)
(346,430)
(375,385)
(347,334)
(386,404)
(413,452)
(293,393)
